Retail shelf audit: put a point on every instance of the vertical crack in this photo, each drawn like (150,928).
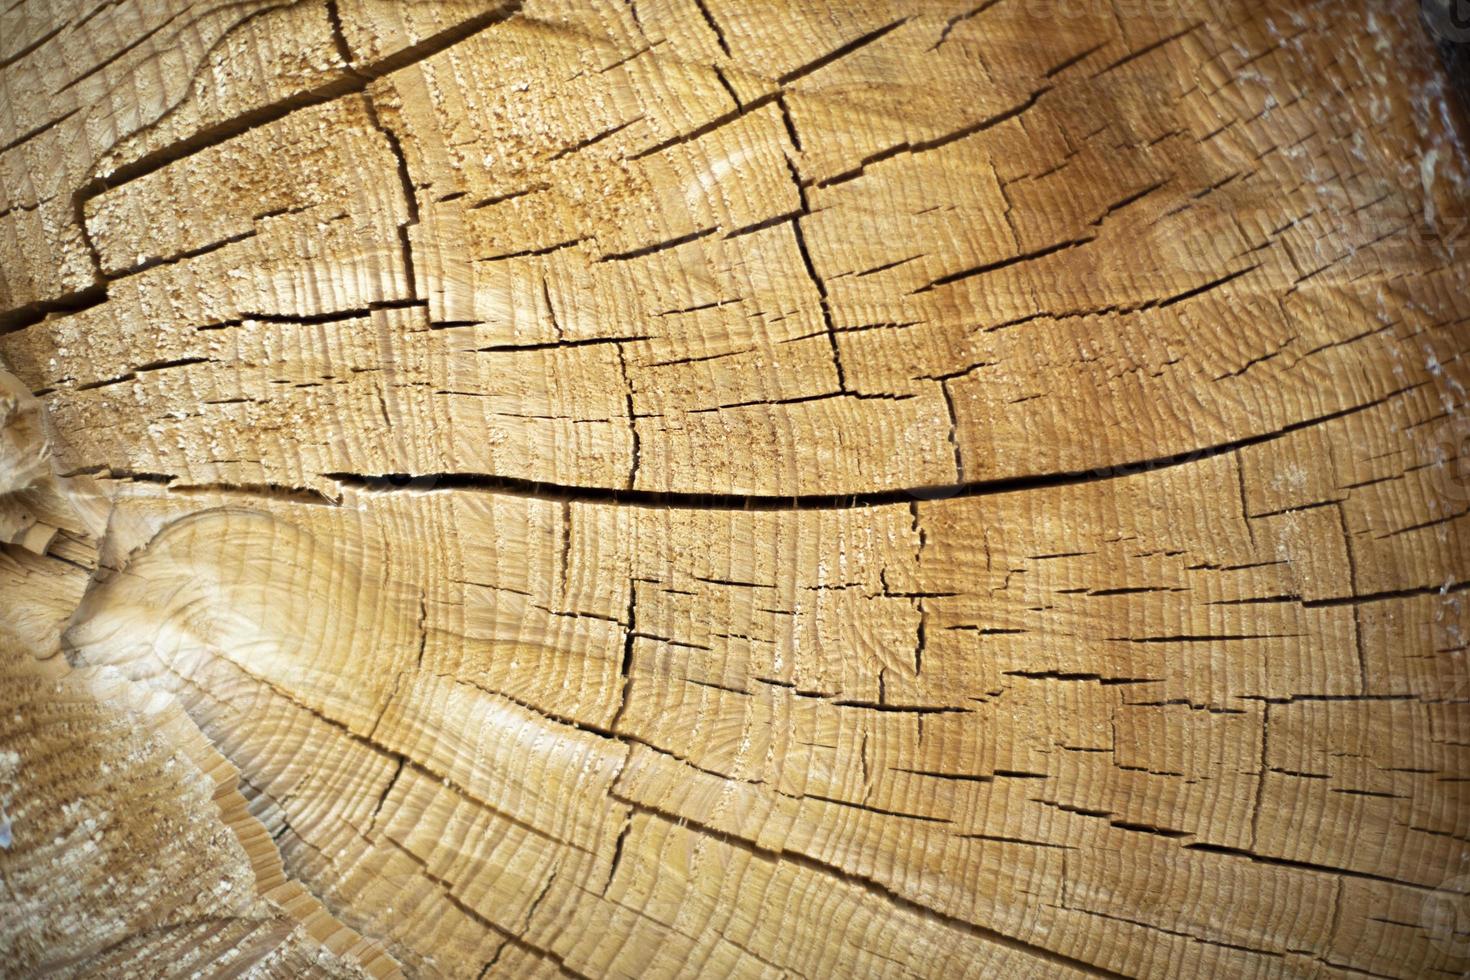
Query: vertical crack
(1347,543)
(730,90)
(954,427)
(714,25)
(1245,513)
(1005,195)
(410,197)
(79,215)
(632,419)
(811,271)
(423,626)
(626,668)
(392,781)
(339,38)
(618,851)
(922,637)
(918,529)
(566,545)
(791,132)
(551,312)
(1261,780)
(490,963)
(536,902)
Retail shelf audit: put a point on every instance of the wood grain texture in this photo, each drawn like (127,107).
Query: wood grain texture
(126,848)
(741,488)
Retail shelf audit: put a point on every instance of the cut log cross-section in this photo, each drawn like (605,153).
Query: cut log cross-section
(685,487)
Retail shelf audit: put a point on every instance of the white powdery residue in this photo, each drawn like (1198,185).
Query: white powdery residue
(1291,477)
(1380,37)
(9,766)
(1451,134)
(1427,164)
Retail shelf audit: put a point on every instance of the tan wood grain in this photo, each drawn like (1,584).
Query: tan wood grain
(688,487)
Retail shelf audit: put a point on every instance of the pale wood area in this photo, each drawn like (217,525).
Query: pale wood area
(718,487)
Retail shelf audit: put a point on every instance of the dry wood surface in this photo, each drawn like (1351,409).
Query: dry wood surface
(660,488)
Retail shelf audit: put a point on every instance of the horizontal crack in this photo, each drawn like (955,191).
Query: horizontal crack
(872,886)
(31,314)
(516,486)
(355,80)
